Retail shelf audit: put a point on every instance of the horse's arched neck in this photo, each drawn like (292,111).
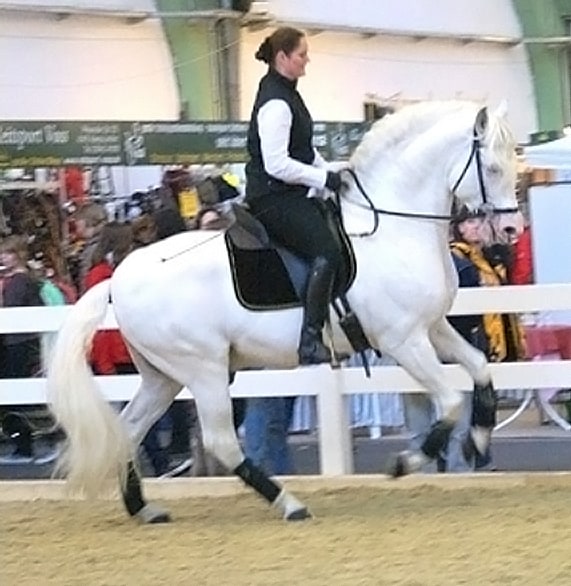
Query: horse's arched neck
(415,178)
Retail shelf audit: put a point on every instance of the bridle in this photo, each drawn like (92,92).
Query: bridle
(475,155)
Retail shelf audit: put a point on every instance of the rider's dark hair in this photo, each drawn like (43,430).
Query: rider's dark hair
(284,39)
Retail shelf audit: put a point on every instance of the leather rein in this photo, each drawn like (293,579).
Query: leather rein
(475,155)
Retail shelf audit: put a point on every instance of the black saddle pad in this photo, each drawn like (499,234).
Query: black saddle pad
(267,276)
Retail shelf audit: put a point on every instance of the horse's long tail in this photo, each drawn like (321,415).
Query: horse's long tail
(97,447)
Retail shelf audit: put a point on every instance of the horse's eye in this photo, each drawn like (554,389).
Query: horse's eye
(494,169)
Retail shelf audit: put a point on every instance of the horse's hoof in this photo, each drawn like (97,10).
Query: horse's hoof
(152,515)
(160,518)
(399,465)
(299,515)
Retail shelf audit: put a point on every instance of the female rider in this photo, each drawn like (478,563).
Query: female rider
(283,166)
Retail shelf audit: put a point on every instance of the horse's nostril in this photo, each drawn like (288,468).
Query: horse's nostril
(510,230)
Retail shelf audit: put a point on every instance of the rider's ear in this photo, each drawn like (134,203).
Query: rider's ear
(481,124)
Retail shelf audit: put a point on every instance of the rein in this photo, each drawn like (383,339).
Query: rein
(486,207)
(379,211)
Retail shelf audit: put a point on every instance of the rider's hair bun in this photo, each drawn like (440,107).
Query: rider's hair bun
(264,52)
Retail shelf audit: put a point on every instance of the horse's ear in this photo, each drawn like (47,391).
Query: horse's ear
(481,124)
(502,110)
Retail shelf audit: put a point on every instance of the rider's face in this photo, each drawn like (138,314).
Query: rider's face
(293,65)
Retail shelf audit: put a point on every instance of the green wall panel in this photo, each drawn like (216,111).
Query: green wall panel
(193,47)
(549,62)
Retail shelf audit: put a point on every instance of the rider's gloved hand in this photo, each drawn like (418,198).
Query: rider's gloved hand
(333,181)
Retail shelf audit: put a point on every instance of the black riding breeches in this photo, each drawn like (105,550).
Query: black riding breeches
(299,224)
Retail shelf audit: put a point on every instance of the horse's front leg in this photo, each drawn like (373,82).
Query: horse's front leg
(453,348)
(418,357)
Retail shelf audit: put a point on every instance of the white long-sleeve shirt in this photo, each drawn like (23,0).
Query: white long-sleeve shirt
(274,125)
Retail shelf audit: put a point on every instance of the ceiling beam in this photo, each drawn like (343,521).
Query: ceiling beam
(62,11)
(257,21)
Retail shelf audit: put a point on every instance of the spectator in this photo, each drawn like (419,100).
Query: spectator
(89,222)
(144,231)
(381,413)
(19,289)
(522,269)
(20,351)
(109,354)
(209,218)
(266,428)
(168,222)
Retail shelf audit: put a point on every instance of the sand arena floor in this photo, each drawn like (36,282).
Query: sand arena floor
(446,531)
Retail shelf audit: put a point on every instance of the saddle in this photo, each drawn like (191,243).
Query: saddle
(268,276)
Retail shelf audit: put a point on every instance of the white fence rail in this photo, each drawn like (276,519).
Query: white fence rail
(329,386)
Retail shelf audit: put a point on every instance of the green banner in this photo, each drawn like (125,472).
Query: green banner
(59,144)
(186,143)
(337,140)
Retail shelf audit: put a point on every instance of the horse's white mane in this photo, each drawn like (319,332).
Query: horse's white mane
(393,132)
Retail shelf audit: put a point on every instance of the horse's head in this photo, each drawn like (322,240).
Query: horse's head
(484,176)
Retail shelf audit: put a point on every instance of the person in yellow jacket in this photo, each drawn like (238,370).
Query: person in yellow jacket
(503,338)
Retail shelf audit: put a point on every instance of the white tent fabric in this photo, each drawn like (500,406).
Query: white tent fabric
(550,155)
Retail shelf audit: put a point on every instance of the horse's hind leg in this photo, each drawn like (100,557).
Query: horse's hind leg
(153,398)
(418,357)
(209,387)
(453,348)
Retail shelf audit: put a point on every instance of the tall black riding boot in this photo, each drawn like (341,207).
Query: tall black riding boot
(318,296)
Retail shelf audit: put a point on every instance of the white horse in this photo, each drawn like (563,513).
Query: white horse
(176,308)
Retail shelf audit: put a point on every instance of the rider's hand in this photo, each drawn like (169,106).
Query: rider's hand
(333,181)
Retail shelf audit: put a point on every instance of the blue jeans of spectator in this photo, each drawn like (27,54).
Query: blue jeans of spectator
(420,415)
(266,432)
(154,444)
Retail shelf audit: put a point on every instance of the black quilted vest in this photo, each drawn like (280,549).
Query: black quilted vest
(258,182)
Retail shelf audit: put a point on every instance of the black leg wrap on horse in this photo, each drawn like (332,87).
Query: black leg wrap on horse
(484,406)
(258,480)
(132,493)
(437,439)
